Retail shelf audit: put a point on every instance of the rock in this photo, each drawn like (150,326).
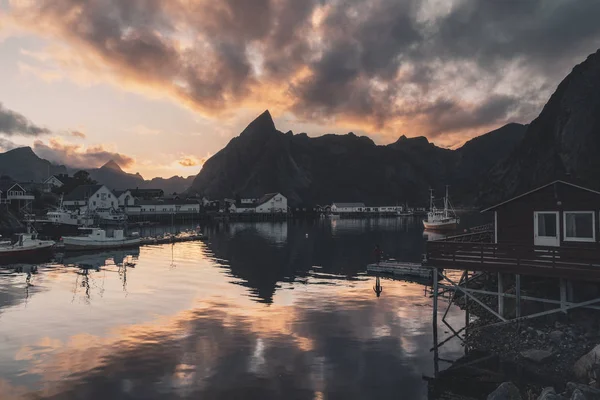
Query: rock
(506,391)
(536,355)
(589,393)
(556,336)
(540,333)
(585,365)
(550,394)
(577,395)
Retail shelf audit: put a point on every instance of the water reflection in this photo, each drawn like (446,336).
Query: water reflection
(253,313)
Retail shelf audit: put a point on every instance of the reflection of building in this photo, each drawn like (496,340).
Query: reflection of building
(274,232)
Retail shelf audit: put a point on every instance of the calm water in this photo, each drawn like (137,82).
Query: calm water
(260,311)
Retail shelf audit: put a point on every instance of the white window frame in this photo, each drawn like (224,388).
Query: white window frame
(588,240)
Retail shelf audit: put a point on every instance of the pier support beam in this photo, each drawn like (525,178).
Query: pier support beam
(563,295)
(518,294)
(500,294)
(435,325)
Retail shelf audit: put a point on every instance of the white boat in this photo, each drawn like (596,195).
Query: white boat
(96,238)
(110,216)
(441,220)
(26,246)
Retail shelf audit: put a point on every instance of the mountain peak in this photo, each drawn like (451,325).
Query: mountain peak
(112,165)
(263,123)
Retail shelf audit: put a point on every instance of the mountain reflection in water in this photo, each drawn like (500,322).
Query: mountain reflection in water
(261,310)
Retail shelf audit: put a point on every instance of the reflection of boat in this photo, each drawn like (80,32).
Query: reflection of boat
(433,235)
(96,238)
(399,268)
(97,260)
(441,220)
(26,246)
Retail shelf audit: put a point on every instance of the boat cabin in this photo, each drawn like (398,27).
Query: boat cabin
(559,214)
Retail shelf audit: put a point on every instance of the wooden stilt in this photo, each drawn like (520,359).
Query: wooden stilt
(434,319)
(563,295)
(500,294)
(518,293)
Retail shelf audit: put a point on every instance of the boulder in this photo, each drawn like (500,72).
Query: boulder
(506,391)
(589,393)
(536,355)
(577,395)
(549,394)
(585,365)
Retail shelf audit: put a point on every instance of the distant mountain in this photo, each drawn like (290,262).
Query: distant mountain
(23,165)
(346,167)
(563,142)
(174,184)
(111,175)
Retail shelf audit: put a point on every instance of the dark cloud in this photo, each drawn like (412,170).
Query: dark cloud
(78,134)
(380,62)
(13,123)
(76,156)
(6,144)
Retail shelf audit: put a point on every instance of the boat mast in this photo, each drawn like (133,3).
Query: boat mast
(446,203)
(431,200)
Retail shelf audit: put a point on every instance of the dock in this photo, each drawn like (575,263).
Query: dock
(401,268)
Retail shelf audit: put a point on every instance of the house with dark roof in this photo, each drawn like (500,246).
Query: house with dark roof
(147,194)
(91,196)
(338,208)
(56,181)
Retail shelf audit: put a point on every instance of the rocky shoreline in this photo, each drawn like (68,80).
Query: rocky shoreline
(558,354)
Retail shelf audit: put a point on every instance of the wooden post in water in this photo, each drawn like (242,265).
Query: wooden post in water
(435,327)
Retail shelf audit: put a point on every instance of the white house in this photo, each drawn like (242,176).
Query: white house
(272,203)
(337,208)
(125,198)
(91,196)
(55,181)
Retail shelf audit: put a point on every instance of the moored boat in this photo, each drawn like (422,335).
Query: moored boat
(96,239)
(26,247)
(441,220)
(110,216)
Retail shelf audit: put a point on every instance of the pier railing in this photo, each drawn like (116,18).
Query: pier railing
(561,262)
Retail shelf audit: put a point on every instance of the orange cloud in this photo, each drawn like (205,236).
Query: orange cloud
(78,156)
(78,134)
(188,161)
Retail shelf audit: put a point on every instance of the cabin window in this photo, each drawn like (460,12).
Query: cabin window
(546,224)
(579,226)
(94,203)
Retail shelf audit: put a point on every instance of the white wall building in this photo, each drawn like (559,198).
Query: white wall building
(51,183)
(337,208)
(272,203)
(93,197)
(159,207)
(125,198)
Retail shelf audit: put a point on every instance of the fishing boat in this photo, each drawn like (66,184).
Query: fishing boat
(441,220)
(110,216)
(25,247)
(96,239)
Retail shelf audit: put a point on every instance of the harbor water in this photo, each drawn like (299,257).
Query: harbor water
(263,310)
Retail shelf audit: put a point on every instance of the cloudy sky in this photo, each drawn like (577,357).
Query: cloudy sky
(161,85)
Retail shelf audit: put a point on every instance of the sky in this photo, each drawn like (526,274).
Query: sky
(160,86)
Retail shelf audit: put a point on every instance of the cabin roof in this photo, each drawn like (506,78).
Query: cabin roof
(265,198)
(82,192)
(348,205)
(492,208)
